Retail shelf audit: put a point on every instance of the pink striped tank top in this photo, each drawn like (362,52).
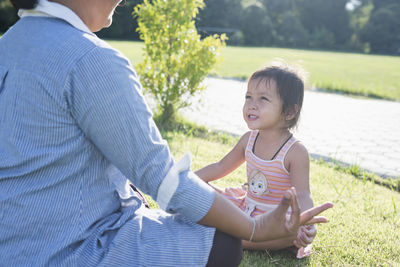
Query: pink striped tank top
(267,179)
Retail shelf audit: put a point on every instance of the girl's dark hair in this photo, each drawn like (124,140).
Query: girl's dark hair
(25,4)
(290,85)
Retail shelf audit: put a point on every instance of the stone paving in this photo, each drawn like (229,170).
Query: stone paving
(334,127)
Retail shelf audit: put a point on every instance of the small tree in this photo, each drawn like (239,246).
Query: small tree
(176,61)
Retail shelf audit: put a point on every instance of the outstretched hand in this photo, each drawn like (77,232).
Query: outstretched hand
(275,225)
(310,216)
(307,230)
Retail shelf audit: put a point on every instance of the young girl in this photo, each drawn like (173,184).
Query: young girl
(275,159)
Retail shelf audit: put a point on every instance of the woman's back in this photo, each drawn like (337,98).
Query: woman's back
(52,184)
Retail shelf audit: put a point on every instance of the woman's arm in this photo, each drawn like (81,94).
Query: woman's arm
(228,218)
(227,164)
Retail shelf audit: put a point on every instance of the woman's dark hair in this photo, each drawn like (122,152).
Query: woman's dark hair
(25,4)
(290,85)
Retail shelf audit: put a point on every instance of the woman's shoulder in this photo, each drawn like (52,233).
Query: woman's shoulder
(101,51)
(74,44)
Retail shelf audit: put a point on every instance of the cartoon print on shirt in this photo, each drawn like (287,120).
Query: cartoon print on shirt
(258,184)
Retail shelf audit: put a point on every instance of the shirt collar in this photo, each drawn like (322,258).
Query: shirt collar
(45,8)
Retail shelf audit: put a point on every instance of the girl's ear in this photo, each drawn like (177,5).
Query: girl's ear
(291,113)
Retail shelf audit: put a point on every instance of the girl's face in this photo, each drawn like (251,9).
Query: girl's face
(262,108)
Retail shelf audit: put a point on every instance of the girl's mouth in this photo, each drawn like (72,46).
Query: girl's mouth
(252,117)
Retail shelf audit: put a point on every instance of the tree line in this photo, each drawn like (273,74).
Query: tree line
(369,26)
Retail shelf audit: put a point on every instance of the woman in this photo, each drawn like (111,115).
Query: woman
(73,126)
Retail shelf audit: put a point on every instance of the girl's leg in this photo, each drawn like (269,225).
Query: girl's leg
(283,243)
(226,251)
(270,245)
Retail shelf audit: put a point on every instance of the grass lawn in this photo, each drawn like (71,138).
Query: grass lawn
(364,227)
(359,74)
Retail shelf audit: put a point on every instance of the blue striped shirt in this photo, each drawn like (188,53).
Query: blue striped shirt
(73,126)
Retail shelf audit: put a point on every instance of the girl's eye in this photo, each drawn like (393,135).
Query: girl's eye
(264,98)
(248,97)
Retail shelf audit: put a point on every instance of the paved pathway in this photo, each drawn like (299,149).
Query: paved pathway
(345,129)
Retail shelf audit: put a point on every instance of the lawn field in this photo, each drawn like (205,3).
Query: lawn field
(358,74)
(364,227)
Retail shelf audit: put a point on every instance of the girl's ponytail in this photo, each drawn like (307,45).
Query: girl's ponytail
(25,4)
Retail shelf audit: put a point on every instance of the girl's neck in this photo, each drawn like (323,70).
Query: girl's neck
(274,135)
(268,143)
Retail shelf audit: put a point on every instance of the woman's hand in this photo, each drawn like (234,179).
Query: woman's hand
(310,216)
(308,231)
(275,225)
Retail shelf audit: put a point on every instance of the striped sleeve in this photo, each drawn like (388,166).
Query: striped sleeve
(105,98)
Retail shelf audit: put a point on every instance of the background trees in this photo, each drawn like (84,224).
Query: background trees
(257,27)
(382,31)
(8,15)
(352,25)
(124,24)
(327,22)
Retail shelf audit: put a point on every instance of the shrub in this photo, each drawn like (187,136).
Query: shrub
(176,61)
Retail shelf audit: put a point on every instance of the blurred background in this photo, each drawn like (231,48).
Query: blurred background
(364,26)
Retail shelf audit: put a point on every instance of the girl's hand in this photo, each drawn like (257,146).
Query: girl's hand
(305,235)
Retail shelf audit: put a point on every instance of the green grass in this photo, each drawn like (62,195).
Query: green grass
(369,75)
(357,74)
(132,50)
(364,227)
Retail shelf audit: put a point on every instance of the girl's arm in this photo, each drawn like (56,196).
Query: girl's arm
(299,167)
(227,164)
(297,163)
